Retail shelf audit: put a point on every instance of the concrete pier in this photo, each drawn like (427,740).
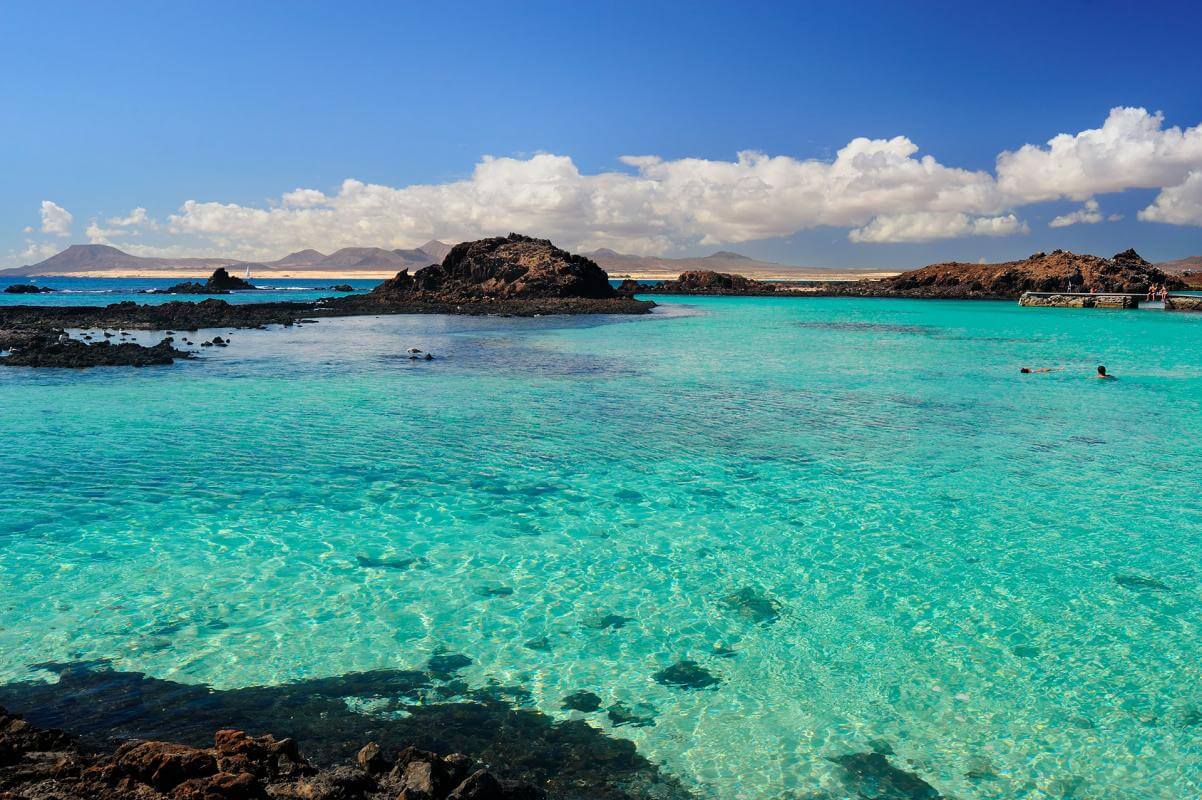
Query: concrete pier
(1080,300)
(1175,302)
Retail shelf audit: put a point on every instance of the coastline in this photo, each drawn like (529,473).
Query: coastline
(330,275)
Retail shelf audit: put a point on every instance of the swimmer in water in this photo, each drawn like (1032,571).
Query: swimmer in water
(1103,375)
(1028,370)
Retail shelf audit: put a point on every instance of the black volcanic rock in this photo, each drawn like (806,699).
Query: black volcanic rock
(55,350)
(40,764)
(510,267)
(26,288)
(176,315)
(1041,272)
(220,282)
(509,276)
(710,282)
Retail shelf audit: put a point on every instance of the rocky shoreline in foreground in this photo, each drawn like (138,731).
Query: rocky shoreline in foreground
(49,764)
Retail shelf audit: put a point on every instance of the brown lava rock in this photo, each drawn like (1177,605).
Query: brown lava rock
(38,764)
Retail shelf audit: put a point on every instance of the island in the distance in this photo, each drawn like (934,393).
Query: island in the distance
(1058,271)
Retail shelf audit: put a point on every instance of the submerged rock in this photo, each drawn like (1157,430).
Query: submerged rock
(607,622)
(367,562)
(686,674)
(752,604)
(445,665)
(581,701)
(874,778)
(1139,582)
(620,714)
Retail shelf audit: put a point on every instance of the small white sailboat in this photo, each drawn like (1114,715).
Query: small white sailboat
(247,276)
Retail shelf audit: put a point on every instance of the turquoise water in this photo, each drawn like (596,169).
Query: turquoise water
(997,574)
(102,291)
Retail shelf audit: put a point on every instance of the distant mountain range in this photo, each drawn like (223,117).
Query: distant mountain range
(97,259)
(1188,264)
(94,259)
(620,264)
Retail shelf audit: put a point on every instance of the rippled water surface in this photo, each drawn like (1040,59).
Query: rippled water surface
(102,291)
(855,515)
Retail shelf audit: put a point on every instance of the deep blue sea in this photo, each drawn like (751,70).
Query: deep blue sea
(855,516)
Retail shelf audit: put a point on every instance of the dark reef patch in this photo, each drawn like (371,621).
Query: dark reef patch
(752,604)
(620,714)
(570,760)
(583,700)
(1139,582)
(445,665)
(872,777)
(368,562)
(607,622)
(687,674)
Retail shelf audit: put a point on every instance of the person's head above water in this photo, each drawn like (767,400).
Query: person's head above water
(1025,370)
(1102,373)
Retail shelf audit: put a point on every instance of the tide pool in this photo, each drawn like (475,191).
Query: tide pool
(856,515)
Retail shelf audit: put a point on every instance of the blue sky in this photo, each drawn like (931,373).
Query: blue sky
(110,107)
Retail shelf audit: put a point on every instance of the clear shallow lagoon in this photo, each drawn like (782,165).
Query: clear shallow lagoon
(999,575)
(102,291)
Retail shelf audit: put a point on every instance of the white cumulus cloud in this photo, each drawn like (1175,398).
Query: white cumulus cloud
(661,205)
(1088,214)
(927,226)
(56,219)
(1178,205)
(878,190)
(1131,150)
(135,218)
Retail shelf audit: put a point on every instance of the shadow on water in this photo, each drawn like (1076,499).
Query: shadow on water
(570,759)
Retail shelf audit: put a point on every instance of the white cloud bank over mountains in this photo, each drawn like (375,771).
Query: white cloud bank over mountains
(882,190)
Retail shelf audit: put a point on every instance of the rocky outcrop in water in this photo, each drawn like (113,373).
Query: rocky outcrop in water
(177,315)
(508,267)
(1058,271)
(56,350)
(37,764)
(708,282)
(512,275)
(220,282)
(26,288)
